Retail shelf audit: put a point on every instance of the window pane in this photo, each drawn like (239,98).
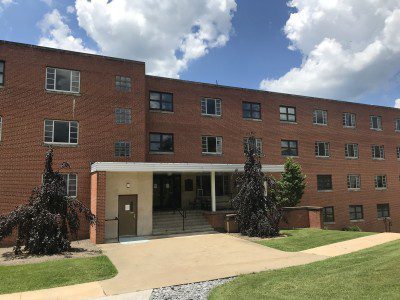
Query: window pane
(246,114)
(167,143)
(212,144)
(155,96)
(167,106)
(61,132)
(211,107)
(167,97)
(155,105)
(256,115)
(246,106)
(63,80)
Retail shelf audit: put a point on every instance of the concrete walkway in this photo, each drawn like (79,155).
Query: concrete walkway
(185,259)
(354,245)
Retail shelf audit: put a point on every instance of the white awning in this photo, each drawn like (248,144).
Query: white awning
(175,167)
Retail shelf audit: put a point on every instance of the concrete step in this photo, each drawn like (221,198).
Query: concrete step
(179,230)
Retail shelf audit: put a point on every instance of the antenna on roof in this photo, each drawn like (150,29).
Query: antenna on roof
(216,82)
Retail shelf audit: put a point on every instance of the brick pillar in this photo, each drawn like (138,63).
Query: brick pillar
(98,206)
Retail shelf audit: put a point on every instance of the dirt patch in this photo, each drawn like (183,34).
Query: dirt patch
(255,239)
(80,249)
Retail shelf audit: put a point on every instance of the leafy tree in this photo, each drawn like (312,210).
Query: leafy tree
(291,185)
(258,213)
(44,224)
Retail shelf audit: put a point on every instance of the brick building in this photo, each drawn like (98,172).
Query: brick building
(140,144)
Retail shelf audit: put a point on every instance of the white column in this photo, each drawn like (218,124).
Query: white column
(213,195)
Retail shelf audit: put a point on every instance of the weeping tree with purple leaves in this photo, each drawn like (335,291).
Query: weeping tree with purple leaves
(45,224)
(258,213)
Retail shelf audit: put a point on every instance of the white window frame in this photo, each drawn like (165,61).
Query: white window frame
(73,73)
(218,145)
(384,182)
(69,132)
(125,115)
(352,120)
(357,182)
(258,145)
(67,179)
(1,127)
(324,117)
(381,152)
(326,149)
(397,125)
(217,106)
(378,121)
(347,151)
(397,151)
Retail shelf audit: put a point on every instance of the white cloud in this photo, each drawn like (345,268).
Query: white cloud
(70,9)
(348,47)
(7,2)
(166,34)
(397,103)
(48,2)
(57,34)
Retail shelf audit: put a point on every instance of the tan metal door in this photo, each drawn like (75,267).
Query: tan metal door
(127,215)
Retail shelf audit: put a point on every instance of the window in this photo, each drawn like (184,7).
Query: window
(258,145)
(2,65)
(380,182)
(62,80)
(351,150)
(1,126)
(397,126)
(349,120)
(61,132)
(397,149)
(251,110)
(375,122)
(289,148)
(211,144)
(378,152)
(71,184)
(321,149)
(161,101)
(383,210)
(222,185)
(211,107)
(123,84)
(122,149)
(161,142)
(324,182)
(287,113)
(320,117)
(353,182)
(356,212)
(328,214)
(123,116)
(188,185)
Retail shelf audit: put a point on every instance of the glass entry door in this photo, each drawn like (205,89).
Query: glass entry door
(166,191)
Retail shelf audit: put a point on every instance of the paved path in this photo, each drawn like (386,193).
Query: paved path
(354,245)
(185,259)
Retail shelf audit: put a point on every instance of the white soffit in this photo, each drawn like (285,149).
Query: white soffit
(175,167)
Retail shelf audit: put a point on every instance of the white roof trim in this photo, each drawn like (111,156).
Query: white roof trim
(175,167)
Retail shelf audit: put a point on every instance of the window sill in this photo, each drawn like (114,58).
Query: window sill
(161,153)
(329,223)
(211,153)
(352,158)
(291,156)
(380,189)
(161,111)
(323,157)
(384,218)
(64,93)
(349,127)
(353,190)
(251,119)
(378,159)
(60,145)
(288,122)
(398,131)
(356,221)
(211,116)
(324,191)
(319,124)
(376,129)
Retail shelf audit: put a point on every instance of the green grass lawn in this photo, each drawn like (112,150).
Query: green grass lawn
(20,278)
(302,239)
(368,274)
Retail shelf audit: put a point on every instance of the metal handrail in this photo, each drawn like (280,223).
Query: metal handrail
(115,219)
(183,213)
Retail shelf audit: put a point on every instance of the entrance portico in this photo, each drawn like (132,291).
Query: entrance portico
(142,181)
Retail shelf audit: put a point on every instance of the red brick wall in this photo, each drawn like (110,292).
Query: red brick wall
(98,206)
(25,104)
(301,217)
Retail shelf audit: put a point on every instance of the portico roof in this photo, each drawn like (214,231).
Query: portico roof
(175,167)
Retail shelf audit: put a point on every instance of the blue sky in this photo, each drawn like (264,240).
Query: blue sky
(240,43)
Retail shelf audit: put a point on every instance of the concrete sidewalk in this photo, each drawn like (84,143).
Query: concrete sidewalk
(186,259)
(354,245)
